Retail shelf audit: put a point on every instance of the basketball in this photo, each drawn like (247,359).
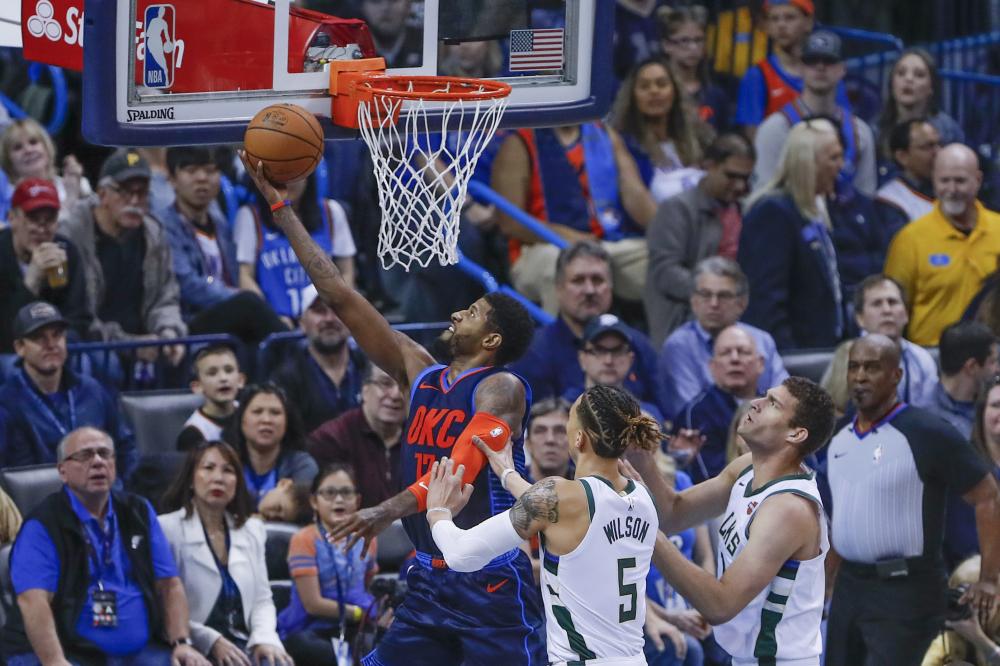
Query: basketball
(287,139)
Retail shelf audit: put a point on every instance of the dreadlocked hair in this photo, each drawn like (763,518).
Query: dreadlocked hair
(614,422)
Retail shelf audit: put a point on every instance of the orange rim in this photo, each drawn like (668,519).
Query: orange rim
(430,88)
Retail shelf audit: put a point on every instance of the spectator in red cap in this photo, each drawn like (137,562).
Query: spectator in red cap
(36,263)
(777,80)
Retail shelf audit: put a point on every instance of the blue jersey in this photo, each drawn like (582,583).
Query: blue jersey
(281,277)
(439,412)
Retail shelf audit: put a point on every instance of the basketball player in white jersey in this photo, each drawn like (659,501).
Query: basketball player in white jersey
(597,531)
(767,601)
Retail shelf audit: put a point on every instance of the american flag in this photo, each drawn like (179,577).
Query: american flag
(536,49)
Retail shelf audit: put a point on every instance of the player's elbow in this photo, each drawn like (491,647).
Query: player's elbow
(718,615)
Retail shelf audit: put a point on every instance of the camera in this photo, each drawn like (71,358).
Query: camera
(392,590)
(956,609)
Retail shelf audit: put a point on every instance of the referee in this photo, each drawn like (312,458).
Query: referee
(889,471)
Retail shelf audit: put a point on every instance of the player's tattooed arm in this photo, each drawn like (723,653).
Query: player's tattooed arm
(536,509)
(399,356)
(502,395)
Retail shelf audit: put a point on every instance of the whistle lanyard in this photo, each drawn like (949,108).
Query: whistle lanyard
(47,411)
(341,606)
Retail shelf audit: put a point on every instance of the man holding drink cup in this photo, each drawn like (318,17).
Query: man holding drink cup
(37,264)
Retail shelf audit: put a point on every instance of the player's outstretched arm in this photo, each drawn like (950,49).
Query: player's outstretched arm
(398,355)
(784,525)
(694,506)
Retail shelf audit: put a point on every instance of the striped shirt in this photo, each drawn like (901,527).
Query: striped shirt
(889,483)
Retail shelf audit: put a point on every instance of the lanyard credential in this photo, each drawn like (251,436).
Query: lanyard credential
(341,648)
(47,411)
(104,603)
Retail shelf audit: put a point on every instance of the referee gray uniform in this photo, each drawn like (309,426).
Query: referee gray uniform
(889,486)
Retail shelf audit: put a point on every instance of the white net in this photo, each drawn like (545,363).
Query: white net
(423,176)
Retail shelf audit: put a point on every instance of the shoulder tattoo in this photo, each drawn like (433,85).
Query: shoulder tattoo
(540,501)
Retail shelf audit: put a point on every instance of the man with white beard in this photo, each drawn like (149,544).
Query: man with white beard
(941,258)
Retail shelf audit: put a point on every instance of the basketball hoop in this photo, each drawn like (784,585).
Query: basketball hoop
(422,175)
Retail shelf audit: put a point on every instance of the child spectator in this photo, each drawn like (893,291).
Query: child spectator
(331,585)
(218,379)
(683,39)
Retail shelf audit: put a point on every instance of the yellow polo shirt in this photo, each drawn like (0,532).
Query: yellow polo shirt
(941,268)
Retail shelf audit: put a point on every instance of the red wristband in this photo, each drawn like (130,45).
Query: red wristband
(280,205)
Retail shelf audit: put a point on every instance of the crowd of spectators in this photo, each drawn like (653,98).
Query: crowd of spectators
(713,234)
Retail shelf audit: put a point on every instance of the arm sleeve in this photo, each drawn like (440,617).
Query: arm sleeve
(263,616)
(302,553)
(667,238)
(343,240)
(472,549)
(866,179)
(34,563)
(750,102)
(245,236)
(680,378)
(491,429)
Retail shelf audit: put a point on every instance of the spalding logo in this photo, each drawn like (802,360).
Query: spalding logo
(939,260)
(275,118)
(496,432)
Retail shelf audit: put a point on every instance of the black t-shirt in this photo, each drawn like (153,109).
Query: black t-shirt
(121,261)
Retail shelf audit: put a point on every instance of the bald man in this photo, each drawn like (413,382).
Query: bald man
(889,472)
(702,426)
(941,258)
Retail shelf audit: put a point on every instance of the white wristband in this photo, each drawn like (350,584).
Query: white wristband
(442,509)
(503,477)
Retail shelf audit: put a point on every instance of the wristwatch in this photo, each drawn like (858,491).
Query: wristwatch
(181,641)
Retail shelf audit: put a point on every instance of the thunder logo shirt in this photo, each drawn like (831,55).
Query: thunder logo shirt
(439,412)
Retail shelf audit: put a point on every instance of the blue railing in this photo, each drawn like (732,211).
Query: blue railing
(117,367)
(423,332)
(60,101)
(537,227)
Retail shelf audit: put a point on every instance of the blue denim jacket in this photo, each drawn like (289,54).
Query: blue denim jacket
(199,290)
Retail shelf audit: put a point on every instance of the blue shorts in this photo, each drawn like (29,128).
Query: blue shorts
(492,616)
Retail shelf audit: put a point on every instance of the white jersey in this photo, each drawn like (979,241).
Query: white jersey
(595,596)
(781,625)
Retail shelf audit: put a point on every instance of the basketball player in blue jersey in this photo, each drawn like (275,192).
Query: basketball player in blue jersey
(493,615)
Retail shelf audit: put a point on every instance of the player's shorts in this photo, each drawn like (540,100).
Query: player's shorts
(489,617)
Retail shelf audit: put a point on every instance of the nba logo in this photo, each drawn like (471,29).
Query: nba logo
(158,65)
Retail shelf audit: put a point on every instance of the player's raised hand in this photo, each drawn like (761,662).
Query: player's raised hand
(446,489)
(272,194)
(363,524)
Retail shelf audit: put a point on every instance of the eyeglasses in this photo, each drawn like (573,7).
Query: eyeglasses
(382,384)
(330,494)
(139,192)
(613,352)
(723,296)
(86,455)
(686,42)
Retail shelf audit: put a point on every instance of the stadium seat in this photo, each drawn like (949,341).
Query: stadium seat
(28,486)
(394,548)
(808,363)
(157,417)
(279,535)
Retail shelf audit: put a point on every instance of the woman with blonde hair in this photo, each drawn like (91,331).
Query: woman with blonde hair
(27,151)
(659,128)
(786,246)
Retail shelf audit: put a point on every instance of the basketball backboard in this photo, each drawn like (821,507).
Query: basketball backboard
(169,73)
